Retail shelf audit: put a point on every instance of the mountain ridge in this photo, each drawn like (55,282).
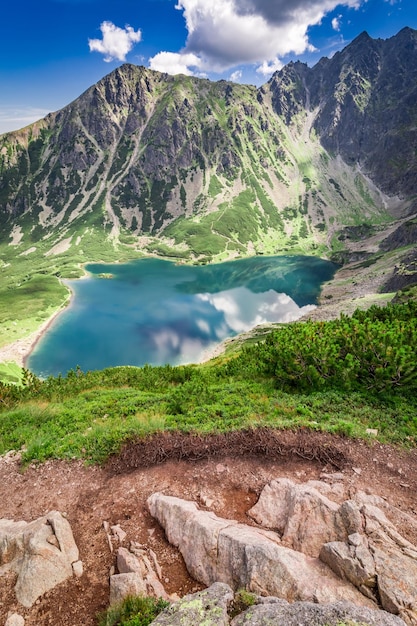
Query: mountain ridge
(145,162)
(137,113)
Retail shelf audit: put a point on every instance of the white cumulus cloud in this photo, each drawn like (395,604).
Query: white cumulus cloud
(224,34)
(236,76)
(116,42)
(269,67)
(175,63)
(336,23)
(243,309)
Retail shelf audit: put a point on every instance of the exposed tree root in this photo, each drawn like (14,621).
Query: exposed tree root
(265,442)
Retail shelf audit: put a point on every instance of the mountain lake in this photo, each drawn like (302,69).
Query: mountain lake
(155,311)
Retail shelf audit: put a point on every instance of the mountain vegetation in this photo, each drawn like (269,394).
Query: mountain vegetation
(319,160)
(344,377)
(184,167)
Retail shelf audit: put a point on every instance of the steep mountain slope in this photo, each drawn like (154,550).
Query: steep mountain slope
(371,116)
(219,169)
(365,102)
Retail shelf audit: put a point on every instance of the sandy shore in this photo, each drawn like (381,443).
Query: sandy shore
(19,350)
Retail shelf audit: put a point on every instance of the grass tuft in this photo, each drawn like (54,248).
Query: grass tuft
(132,611)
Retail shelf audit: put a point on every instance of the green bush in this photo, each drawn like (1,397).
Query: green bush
(133,611)
(242,600)
(373,350)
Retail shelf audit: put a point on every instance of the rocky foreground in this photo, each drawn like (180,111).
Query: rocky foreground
(314,552)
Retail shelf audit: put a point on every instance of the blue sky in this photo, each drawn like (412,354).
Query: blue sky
(53,50)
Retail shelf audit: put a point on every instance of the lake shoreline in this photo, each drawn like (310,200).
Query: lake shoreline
(20,350)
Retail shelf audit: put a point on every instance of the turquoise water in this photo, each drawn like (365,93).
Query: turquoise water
(153,311)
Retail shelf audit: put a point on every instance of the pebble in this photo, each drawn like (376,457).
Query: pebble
(78,569)
(332,477)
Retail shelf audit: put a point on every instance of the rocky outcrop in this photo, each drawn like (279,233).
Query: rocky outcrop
(379,561)
(404,274)
(42,553)
(404,235)
(215,606)
(216,549)
(209,607)
(354,538)
(138,573)
(294,614)
(305,516)
(316,544)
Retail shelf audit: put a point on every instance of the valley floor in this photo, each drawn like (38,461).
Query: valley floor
(229,484)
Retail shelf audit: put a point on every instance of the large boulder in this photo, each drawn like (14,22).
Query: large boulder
(302,514)
(126,584)
(357,538)
(395,561)
(217,606)
(311,614)
(215,549)
(208,607)
(42,554)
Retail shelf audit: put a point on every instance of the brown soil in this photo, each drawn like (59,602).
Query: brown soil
(230,471)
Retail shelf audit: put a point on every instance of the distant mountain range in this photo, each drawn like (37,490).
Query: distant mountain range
(314,159)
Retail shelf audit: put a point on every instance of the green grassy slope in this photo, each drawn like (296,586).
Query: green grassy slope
(341,377)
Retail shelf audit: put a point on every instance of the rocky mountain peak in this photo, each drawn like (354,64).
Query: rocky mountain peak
(141,150)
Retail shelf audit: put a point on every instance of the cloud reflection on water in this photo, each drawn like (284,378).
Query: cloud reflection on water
(244,310)
(156,312)
(240,310)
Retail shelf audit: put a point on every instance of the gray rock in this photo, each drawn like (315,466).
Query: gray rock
(304,517)
(182,522)
(78,569)
(208,607)
(395,515)
(247,559)
(380,559)
(127,562)
(215,549)
(350,515)
(353,537)
(397,581)
(143,563)
(310,614)
(352,561)
(41,553)
(128,584)
(118,533)
(211,606)
(62,531)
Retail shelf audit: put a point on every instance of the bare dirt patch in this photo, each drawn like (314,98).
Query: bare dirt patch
(225,472)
